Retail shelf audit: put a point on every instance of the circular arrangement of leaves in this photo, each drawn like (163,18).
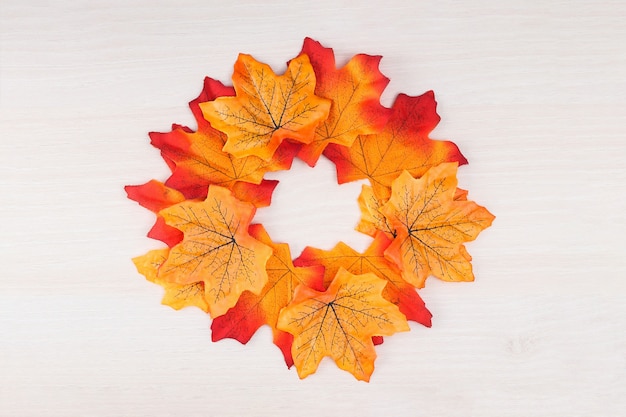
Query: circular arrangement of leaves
(338,302)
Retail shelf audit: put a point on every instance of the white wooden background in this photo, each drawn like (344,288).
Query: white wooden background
(533,92)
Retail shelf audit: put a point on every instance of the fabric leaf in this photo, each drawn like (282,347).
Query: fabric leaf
(340,323)
(432,226)
(355,91)
(373,260)
(372,220)
(196,157)
(267,108)
(403,144)
(156,196)
(176,296)
(216,249)
(199,161)
(252,310)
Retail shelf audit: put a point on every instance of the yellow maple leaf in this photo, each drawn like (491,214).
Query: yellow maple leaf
(216,249)
(267,108)
(340,323)
(431,226)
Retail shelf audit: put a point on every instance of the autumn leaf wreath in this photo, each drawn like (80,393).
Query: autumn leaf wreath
(336,303)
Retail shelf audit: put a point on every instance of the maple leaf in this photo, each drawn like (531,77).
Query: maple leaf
(156,196)
(372,220)
(197,160)
(340,323)
(260,195)
(373,260)
(267,108)
(252,310)
(355,91)
(216,249)
(403,144)
(432,226)
(176,296)
(460,194)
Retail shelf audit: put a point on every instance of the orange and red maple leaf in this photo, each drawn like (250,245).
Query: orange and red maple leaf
(403,145)
(156,196)
(354,91)
(197,158)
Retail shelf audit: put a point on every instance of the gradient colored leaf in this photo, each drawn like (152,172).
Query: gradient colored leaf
(252,310)
(176,296)
(340,323)
(216,249)
(260,195)
(156,196)
(373,260)
(267,108)
(403,144)
(355,91)
(432,226)
(197,160)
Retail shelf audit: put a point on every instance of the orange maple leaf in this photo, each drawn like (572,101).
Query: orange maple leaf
(216,249)
(176,296)
(267,108)
(403,144)
(197,160)
(432,226)
(252,310)
(372,220)
(373,260)
(355,91)
(340,323)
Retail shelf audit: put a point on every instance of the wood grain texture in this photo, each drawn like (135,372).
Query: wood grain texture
(532,92)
